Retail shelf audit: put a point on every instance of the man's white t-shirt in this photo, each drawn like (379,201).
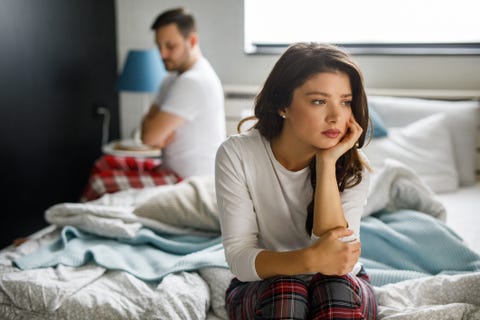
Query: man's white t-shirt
(197,96)
(263,205)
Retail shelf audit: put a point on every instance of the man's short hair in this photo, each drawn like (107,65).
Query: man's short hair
(182,18)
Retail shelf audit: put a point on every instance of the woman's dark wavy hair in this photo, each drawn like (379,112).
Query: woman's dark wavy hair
(299,63)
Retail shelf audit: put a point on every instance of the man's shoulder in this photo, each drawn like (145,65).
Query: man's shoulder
(201,70)
(199,79)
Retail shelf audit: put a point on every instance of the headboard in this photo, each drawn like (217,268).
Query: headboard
(427,93)
(239,103)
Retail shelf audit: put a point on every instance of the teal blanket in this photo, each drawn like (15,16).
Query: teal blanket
(396,246)
(148,256)
(407,244)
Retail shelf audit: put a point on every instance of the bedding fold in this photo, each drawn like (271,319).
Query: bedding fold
(408,244)
(148,256)
(395,186)
(115,215)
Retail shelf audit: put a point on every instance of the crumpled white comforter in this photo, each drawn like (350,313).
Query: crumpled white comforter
(93,292)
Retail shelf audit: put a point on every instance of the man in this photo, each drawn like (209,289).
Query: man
(187,119)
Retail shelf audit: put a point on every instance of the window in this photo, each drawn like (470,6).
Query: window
(365,27)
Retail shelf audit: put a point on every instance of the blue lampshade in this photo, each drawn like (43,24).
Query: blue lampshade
(143,71)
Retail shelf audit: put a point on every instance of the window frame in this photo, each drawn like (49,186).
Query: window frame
(469,46)
(395,49)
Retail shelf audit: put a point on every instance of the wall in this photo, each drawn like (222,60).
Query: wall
(221,37)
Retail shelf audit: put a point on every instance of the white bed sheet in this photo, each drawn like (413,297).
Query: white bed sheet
(463,213)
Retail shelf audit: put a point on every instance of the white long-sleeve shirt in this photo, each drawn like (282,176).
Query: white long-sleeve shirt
(263,205)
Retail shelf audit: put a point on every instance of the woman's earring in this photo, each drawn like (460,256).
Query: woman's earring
(283,116)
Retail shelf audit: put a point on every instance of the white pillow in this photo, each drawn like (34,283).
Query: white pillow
(425,146)
(191,204)
(462,123)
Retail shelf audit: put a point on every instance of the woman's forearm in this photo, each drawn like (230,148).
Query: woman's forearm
(327,212)
(269,263)
(327,255)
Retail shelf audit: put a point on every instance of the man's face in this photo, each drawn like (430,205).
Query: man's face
(174,48)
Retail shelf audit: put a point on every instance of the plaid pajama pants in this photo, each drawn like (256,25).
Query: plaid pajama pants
(323,297)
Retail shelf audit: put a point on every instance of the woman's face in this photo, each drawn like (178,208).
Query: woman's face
(320,110)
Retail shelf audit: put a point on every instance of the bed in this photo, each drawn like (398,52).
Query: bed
(440,140)
(155,253)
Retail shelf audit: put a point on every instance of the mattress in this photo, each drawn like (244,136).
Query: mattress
(463,213)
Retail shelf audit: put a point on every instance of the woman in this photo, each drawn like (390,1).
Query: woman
(291,193)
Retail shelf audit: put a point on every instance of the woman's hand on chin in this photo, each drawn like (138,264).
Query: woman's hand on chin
(354,131)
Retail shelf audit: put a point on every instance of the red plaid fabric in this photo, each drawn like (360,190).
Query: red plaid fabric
(113,173)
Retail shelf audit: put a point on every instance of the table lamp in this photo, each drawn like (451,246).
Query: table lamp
(142,73)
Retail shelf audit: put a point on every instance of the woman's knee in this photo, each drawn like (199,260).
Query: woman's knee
(341,295)
(284,298)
